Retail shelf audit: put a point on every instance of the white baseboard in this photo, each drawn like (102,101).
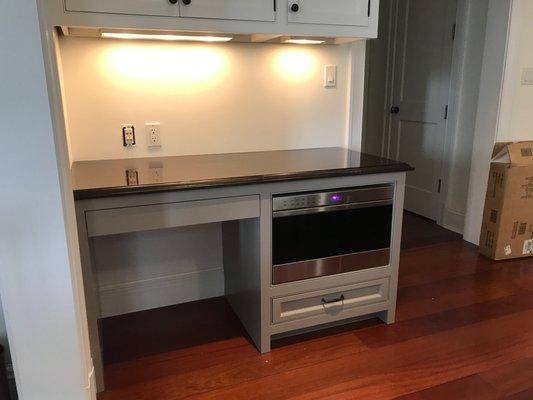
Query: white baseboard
(453,220)
(161,291)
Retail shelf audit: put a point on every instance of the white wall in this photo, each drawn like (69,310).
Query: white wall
(516,122)
(208,98)
(466,71)
(40,300)
(488,112)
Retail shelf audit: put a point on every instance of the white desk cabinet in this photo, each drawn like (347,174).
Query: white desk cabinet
(245,10)
(163,8)
(338,12)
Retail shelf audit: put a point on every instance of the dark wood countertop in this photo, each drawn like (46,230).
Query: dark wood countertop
(93,179)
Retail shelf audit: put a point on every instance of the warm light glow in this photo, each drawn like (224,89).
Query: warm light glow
(146,36)
(304,41)
(164,67)
(295,65)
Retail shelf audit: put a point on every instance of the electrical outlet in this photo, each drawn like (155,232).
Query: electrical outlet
(132,177)
(128,135)
(153,134)
(156,172)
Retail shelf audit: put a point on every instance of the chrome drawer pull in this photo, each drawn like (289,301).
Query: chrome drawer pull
(334,302)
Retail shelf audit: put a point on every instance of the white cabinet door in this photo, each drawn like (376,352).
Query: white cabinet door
(248,10)
(168,8)
(330,12)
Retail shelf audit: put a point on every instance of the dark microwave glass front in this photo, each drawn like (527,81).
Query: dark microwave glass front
(327,242)
(307,237)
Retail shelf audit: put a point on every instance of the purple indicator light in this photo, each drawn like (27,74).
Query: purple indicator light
(335,198)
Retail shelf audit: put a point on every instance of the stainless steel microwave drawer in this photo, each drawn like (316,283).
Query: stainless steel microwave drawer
(331,304)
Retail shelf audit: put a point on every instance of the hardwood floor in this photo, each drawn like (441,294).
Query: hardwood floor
(464,330)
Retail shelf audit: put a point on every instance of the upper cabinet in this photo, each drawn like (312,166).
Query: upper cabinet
(246,10)
(338,21)
(338,12)
(166,8)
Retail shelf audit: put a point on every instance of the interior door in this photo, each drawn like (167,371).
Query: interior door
(424,43)
(250,10)
(138,7)
(338,12)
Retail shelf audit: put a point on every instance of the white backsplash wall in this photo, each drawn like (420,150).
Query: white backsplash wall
(209,98)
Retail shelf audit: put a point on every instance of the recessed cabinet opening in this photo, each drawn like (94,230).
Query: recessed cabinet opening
(226,99)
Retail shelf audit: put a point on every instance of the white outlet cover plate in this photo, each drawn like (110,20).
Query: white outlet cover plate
(153,134)
(527,76)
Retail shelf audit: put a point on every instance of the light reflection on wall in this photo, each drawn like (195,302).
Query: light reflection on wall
(295,64)
(164,66)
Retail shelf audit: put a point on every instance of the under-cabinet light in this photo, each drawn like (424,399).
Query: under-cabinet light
(154,36)
(304,41)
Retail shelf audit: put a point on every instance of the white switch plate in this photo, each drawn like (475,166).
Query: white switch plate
(153,134)
(527,76)
(330,76)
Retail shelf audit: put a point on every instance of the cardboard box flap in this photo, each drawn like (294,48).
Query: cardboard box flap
(518,153)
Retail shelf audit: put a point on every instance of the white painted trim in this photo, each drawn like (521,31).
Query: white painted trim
(453,220)
(462,105)
(161,291)
(488,112)
(356,86)
(387,103)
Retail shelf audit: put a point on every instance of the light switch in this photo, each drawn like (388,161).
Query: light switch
(330,76)
(527,76)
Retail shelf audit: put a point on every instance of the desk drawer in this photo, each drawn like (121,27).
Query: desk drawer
(170,215)
(329,304)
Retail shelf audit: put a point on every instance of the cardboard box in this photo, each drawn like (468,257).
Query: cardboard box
(507,228)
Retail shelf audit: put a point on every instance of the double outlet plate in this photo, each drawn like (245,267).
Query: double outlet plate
(153,135)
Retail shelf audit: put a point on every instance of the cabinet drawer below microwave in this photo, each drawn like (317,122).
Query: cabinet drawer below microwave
(333,302)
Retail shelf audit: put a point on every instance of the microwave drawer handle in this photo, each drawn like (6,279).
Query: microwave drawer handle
(334,302)
(339,207)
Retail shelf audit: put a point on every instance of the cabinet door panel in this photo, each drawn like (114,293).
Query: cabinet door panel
(137,7)
(334,12)
(249,10)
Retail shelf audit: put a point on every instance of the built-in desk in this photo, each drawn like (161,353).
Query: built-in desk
(236,190)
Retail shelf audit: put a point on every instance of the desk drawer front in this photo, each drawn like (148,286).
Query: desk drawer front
(332,303)
(170,215)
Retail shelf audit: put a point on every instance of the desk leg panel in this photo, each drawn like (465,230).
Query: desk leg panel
(92,299)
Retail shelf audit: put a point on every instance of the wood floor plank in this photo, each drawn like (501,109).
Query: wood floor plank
(385,335)
(399,369)
(470,388)
(512,378)
(525,395)
(242,366)
(434,297)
